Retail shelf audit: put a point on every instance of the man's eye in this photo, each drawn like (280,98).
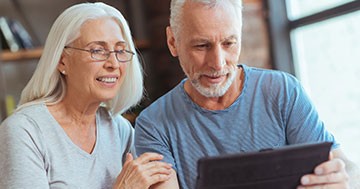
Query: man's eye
(202,46)
(229,43)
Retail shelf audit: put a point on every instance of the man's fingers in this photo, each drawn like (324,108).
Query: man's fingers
(330,173)
(329,186)
(333,165)
(321,179)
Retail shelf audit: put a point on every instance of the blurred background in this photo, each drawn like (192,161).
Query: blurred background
(316,41)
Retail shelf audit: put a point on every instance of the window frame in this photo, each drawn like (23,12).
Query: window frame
(280,28)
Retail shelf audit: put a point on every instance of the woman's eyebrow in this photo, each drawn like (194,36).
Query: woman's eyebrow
(103,43)
(121,43)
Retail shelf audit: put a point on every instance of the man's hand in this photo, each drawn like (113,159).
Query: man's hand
(330,175)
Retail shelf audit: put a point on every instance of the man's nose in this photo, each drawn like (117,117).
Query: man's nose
(217,58)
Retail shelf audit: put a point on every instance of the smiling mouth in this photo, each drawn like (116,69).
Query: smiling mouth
(214,77)
(107,79)
(217,76)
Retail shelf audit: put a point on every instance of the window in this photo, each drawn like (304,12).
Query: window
(300,8)
(319,43)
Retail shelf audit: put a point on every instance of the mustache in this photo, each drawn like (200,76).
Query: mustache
(216,73)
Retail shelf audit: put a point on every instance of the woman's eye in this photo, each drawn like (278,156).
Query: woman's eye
(98,51)
(120,51)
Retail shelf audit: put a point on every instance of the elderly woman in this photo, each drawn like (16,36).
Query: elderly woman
(68,131)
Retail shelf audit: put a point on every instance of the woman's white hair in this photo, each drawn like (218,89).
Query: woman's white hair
(48,86)
(177,5)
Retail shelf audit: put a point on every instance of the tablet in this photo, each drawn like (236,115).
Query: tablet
(279,168)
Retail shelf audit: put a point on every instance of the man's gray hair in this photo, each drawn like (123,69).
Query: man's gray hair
(48,86)
(177,5)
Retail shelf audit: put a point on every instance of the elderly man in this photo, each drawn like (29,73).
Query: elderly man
(222,107)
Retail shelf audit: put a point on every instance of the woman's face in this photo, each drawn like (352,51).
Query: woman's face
(90,79)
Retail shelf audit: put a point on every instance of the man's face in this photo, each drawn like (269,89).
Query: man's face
(208,47)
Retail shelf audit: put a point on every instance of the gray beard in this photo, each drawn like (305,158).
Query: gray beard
(216,90)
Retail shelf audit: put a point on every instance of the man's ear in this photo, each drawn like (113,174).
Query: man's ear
(171,41)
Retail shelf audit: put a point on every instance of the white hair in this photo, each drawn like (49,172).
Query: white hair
(48,86)
(176,7)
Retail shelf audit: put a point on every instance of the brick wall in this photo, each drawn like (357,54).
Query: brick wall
(148,20)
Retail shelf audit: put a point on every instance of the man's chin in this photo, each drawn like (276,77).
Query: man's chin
(211,92)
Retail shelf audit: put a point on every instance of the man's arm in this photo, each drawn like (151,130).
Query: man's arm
(338,172)
(172,183)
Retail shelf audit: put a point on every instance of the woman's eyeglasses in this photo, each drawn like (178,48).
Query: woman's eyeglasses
(103,54)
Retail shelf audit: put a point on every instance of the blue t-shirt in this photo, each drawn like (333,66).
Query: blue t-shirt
(271,111)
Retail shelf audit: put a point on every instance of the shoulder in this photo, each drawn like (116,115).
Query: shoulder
(115,121)
(167,102)
(115,130)
(273,76)
(25,118)
(157,117)
(268,80)
(22,130)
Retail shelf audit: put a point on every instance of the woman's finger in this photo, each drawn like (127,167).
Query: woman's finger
(156,165)
(148,156)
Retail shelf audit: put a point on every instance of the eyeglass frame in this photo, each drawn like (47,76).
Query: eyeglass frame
(108,52)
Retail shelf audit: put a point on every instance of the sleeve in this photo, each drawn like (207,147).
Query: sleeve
(149,138)
(131,145)
(126,132)
(302,119)
(21,158)
(130,148)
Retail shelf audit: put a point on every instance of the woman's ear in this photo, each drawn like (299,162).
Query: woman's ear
(61,65)
(171,41)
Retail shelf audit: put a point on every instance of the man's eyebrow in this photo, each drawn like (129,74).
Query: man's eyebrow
(199,40)
(232,37)
(203,40)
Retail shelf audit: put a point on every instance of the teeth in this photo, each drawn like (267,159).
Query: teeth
(214,76)
(107,79)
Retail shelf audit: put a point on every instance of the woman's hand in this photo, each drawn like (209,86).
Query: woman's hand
(143,172)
